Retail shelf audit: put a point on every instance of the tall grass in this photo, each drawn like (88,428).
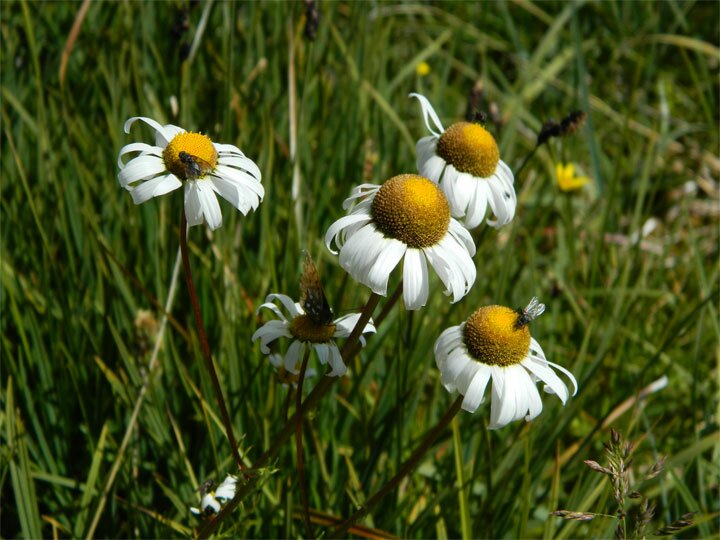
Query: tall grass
(80,263)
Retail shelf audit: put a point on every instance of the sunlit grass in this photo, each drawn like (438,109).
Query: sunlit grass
(627,265)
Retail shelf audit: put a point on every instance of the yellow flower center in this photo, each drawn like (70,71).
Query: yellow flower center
(492,336)
(470,149)
(190,155)
(412,209)
(305,329)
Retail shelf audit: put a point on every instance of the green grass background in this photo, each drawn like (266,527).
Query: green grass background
(79,260)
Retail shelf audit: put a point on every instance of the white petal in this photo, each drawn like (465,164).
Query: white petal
(209,204)
(454,365)
(477,207)
(336,228)
(360,252)
(140,168)
(154,188)
(424,150)
(227,149)
(336,362)
(322,352)
(144,149)
(243,178)
(450,185)
(502,409)
(462,235)
(193,208)
(433,168)
(429,113)
(454,266)
(226,490)
(246,165)
(345,325)
(239,196)
(466,376)
(476,390)
(392,251)
(287,303)
(166,137)
(363,190)
(269,332)
(534,401)
(170,132)
(292,356)
(415,279)
(450,339)
(503,199)
(547,376)
(210,502)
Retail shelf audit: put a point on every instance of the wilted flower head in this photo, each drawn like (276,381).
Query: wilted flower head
(309,323)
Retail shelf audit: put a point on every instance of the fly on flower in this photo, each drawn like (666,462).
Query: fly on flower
(308,324)
(195,167)
(190,160)
(532,311)
(493,347)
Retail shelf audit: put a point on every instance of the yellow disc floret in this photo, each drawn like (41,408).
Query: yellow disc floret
(470,148)
(493,336)
(189,153)
(305,329)
(412,209)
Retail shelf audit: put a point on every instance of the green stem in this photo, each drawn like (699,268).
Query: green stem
(405,469)
(204,345)
(460,473)
(298,445)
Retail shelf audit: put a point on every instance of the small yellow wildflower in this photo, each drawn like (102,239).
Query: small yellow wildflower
(566,179)
(422,69)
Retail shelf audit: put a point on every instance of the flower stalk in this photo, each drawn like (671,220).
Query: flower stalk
(204,345)
(298,446)
(349,349)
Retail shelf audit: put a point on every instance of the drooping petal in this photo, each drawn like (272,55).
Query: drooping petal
(209,204)
(292,356)
(336,362)
(429,114)
(335,230)
(144,149)
(165,136)
(416,283)
(433,168)
(474,395)
(193,208)
(155,187)
(389,257)
(140,168)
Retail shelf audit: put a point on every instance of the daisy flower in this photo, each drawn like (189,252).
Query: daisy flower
(204,167)
(494,343)
(305,330)
(213,498)
(464,159)
(408,217)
